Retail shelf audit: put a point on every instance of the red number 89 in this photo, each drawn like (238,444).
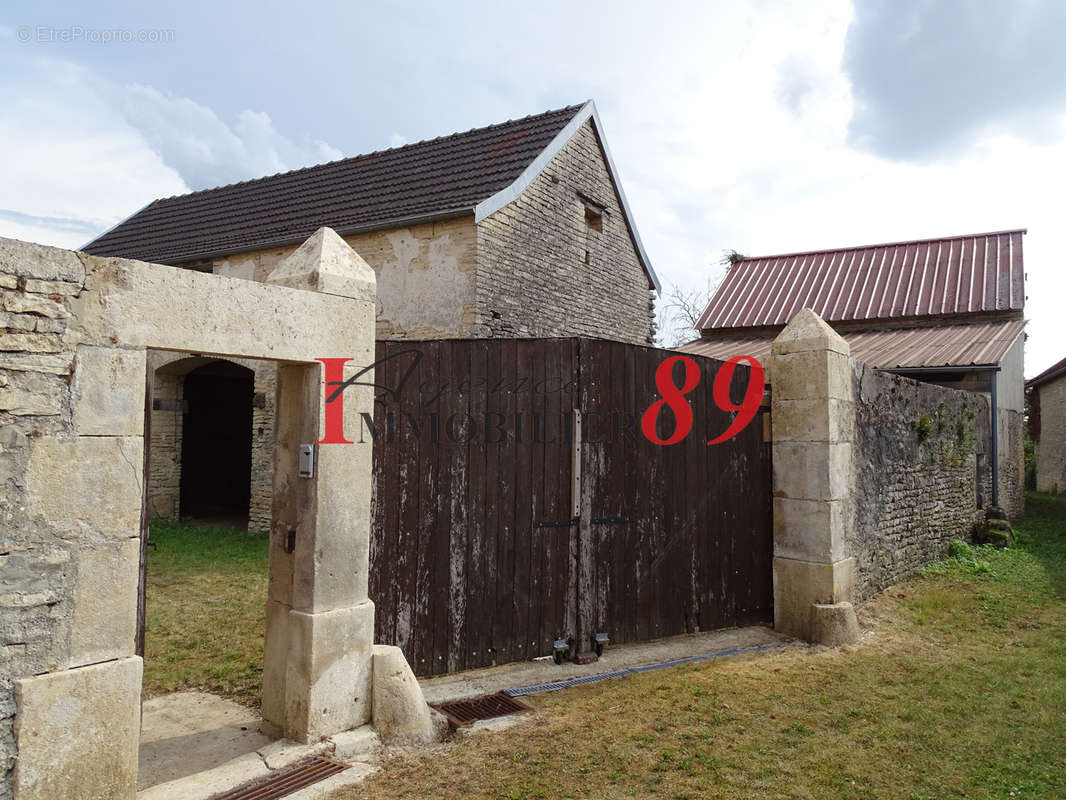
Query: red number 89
(674,397)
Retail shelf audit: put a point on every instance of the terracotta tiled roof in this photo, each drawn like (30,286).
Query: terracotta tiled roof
(434,179)
(962,345)
(976,273)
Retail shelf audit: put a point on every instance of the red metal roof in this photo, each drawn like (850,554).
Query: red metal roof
(962,345)
(976,273)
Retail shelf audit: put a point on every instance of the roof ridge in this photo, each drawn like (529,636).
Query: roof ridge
(1051,372)
(882,244)
(446,137)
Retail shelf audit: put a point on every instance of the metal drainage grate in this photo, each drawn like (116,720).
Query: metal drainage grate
(461,713)
(285,782)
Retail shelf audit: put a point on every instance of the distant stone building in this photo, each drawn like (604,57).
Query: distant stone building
(515,230)
(945,311)
(1047,424)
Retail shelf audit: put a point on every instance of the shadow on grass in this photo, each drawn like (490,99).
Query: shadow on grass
(1042,532)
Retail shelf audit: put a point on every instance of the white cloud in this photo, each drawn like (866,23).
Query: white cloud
(730,124)
(204,149)
(79,153)
(66,154)
(716,158)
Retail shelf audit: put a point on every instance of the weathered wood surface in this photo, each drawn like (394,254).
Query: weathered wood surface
(475,556)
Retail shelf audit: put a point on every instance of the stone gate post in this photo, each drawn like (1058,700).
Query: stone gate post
(317,677)
(813,418)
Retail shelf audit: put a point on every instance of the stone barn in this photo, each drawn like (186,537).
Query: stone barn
(519,229)
(1047,425)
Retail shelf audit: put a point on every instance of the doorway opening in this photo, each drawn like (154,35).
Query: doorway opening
(216,462)
(204,572)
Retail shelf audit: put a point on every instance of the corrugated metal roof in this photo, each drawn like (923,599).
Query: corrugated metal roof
(976,273)
(962,345)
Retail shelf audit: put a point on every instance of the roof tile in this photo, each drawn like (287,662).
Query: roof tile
(434,178)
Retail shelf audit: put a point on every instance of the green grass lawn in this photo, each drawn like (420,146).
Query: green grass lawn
(206,611)
(959,692)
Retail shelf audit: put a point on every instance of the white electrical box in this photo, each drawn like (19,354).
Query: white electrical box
(307,461)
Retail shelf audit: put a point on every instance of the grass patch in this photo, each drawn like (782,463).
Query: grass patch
(959,694)
(206,611)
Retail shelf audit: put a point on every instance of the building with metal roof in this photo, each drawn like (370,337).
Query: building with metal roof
(947,310)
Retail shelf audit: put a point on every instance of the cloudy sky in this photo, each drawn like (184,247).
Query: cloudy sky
(762,127)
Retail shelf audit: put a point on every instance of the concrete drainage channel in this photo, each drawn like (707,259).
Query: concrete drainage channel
(555,686)
(466,712)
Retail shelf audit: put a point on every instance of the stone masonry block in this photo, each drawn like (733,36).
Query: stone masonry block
(816,420)
(806,331)
(40,261)
(105,603)
(275,665)
(834,624)
(400,710)
(810,375)
(326,263)
(328,682)
(812,470)
(77,733)
(87,484)
(812,530)
(109,391)
(184,310)
(798,585)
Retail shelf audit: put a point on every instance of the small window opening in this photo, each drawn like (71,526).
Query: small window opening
(594,219)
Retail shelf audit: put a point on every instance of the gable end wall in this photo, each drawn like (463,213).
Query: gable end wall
(532,278)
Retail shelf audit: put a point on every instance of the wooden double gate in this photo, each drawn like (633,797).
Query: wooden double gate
(498,531)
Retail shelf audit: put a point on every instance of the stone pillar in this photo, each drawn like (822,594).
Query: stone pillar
(813,419)
(78,721)
(320,623)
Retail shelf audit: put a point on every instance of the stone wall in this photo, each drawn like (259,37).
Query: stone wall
(1051,446)
(164,454)
(73,358)
(559,260)
(915,457)
(425,276)
(67,410)
(1012,462)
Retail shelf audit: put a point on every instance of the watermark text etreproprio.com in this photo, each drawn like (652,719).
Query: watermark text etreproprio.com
(48,34)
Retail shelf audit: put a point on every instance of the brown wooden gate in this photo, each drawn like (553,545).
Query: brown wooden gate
(491,541)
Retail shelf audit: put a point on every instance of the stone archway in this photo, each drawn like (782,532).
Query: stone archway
(250,424)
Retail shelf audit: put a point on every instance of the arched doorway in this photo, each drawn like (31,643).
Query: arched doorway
(216,448)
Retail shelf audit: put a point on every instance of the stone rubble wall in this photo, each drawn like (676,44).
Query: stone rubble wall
(1011,462)
(533,279)
(56,564)
(915,458)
